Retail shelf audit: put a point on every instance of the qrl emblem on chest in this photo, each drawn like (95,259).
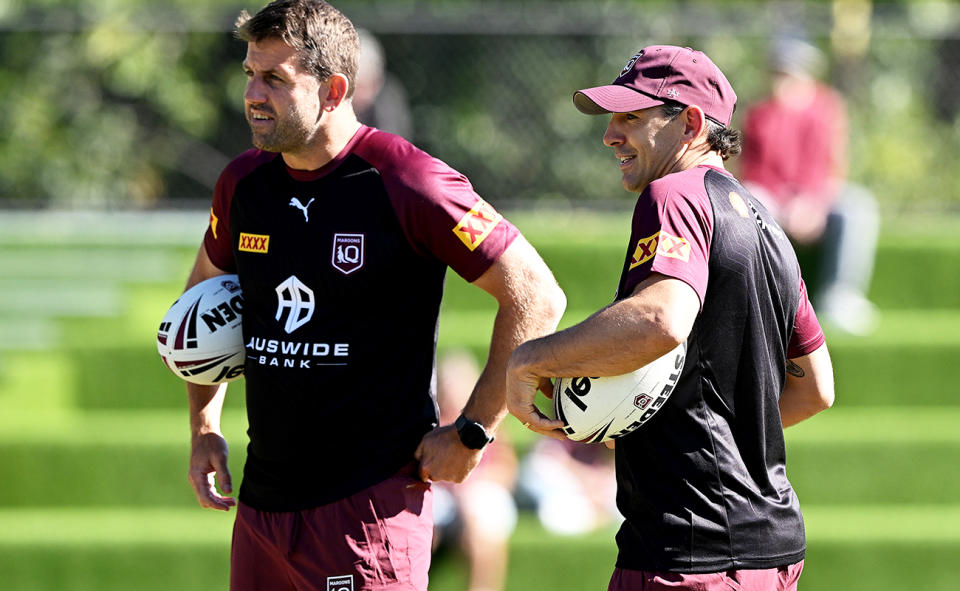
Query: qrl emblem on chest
(348,252)
(340,583)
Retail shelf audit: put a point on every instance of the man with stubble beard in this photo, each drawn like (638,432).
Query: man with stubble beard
(341,235)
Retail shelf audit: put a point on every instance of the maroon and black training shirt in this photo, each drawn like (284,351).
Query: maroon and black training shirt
(342,271)
(703,484)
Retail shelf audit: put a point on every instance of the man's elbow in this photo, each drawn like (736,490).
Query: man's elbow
(554,303)
(825,391)
(819,401)
(542,296)
(826,399)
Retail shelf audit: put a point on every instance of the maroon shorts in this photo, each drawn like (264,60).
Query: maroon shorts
(771,579)
(376,540)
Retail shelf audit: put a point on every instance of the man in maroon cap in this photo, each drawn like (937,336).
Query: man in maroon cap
(702,485)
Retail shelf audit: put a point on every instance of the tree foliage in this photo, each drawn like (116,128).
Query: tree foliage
(129,102)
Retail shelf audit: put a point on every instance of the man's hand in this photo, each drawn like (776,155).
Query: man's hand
(522,387)
(443,456)
(208,459)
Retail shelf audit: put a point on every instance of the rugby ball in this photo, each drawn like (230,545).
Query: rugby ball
(201,338)
(601,409)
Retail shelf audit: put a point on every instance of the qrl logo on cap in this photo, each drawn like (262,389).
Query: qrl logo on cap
(630,63)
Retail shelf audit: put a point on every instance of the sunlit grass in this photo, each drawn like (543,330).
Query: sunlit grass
(99,402)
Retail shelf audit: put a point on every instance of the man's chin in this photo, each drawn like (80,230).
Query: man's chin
(634,183)
(262,143)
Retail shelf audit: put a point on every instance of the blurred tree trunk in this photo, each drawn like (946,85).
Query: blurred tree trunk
(850,38)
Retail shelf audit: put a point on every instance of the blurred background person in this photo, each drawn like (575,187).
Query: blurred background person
(572,486)
(479,515)
(379,98)
(794,160)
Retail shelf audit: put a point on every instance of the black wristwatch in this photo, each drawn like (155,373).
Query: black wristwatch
(472,434)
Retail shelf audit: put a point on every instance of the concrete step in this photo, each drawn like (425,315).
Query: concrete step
(151,549)
(49,298)
(79,263)
(94,227)
(28,334)
(850,457)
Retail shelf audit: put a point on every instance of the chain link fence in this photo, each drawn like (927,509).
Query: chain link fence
(139,105)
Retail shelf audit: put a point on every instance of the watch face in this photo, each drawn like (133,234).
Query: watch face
(472,434)
(475,435)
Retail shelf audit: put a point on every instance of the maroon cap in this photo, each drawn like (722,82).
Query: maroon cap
(662,73)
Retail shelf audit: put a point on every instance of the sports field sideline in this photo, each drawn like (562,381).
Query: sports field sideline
(93,434)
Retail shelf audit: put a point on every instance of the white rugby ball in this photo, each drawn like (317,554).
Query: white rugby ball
(201,337)
(601,409)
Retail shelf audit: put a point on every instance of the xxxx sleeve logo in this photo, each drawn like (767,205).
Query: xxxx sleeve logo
(213,223)
(475,225)
(646,250)
(673,247)
(660,243)
(254,242)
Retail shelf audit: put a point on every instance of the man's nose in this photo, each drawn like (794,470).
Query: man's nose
(254,92)
(612,137)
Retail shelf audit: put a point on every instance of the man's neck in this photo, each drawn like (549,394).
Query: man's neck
(702,157)
(713,159)
(335,133)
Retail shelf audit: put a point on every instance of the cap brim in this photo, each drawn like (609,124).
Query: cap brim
(612,99)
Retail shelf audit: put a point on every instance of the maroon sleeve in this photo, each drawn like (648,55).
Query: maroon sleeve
(807,334)
(440,212)
(672,228)
(217,239)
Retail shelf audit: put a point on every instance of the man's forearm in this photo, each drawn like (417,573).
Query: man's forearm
(206,406)
(530,308)
(619,338)
(511,328)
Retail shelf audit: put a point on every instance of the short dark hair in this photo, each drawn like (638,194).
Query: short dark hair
(325,39)
(721,138)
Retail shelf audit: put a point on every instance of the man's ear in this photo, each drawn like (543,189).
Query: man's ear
(333,92)
(694,123)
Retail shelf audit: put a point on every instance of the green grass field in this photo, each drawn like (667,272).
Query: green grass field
(94,439)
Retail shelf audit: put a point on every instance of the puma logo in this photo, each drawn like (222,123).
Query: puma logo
(295,202)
